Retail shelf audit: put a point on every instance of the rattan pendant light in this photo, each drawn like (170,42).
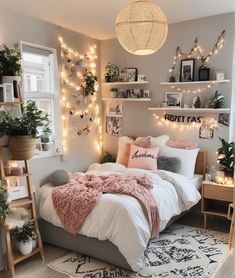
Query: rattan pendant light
(141,27)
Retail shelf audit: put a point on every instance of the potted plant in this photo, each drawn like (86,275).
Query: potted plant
(114,92)
(216,101)
(23,130)
(45,138)
(226,157)
(10,67)
(24,237)
(112,73)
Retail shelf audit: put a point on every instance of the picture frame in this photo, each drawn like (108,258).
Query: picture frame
(114,125)
(173,99)
(132,74)
(219,75)
(206,132)
(146,94)
(204,74)
(187,70)
(114,108)
(141,77)
(223,119)
(7,93)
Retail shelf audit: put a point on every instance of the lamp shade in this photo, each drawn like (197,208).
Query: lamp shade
(141,27)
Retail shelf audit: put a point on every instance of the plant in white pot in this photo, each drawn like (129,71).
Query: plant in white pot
(10,67)
(45,138)
(23,130)
(24,236)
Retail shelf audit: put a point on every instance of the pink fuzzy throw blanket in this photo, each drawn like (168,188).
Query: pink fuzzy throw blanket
(76,199)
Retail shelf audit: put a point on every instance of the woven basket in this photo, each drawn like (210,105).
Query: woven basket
(22,147)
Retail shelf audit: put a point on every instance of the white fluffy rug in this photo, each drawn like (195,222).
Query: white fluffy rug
(179,252)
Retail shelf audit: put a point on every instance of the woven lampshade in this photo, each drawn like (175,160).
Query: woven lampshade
(141,27)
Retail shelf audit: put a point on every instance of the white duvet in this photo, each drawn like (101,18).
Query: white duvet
(120,218)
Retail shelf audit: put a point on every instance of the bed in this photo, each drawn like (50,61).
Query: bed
(123,241)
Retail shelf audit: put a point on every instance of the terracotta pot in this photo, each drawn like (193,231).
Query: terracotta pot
(22,146)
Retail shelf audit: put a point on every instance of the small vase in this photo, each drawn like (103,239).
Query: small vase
(26,247)
(34,243)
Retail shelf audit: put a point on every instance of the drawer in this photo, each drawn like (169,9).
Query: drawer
(216,192)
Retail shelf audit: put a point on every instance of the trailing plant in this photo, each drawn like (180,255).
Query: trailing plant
(45,135)
(107,157)
(88,87)
(27,124)
(216,101)
(226,157)
(4,201)
(25,233)
(10,61)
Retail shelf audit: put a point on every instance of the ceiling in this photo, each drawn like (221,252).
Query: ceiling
(96,18)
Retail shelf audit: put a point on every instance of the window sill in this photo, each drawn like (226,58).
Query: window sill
(46,154)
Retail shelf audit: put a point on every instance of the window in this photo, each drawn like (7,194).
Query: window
(41,84)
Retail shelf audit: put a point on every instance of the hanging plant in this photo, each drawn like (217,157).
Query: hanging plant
(88,87)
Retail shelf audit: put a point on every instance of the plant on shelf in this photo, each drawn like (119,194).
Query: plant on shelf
(24,236)
(10,61)
(23,130)
(226,157)
(45,138)
(4,202)
(111,73)
(88,87)
(114,92)
(216,101)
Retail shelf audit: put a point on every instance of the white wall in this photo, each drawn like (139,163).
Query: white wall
(81,150)
(138,121)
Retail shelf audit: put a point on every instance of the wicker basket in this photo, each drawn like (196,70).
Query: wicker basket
(22,147)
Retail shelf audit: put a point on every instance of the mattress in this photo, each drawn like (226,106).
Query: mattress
(121,219)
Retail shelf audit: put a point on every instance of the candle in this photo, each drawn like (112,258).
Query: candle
(219,177)
(16,171)
(228,181)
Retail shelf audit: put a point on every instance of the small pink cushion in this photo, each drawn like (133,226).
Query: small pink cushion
(143,158)
(182,144)
(143,142)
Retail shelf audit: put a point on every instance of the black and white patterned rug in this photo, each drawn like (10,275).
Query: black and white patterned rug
(179,252)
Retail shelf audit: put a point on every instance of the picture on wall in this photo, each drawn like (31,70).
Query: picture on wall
(173,99)
(131,74)
(187,70)
(114,125)
(114,108)
(206,132)
(223,119)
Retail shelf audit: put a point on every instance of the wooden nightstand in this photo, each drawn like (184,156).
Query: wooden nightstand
(216,199)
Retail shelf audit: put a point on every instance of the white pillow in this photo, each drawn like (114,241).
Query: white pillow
(108,166)
(158,141)
(187,158)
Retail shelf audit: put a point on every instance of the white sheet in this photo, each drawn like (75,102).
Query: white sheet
(120,218)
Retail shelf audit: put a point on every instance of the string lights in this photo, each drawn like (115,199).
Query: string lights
(81,110)
(196,52)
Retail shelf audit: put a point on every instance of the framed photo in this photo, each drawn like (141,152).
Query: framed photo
(114,108)
(114,125)
(173,99)
(6,93)
(131,73)
(206,133)
(204,74)
(146,94)
(141,77)
(219,75)
(187,70)
(223,119)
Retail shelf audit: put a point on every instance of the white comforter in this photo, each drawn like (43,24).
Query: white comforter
(120,218)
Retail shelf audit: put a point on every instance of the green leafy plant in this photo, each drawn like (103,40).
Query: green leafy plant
(4,210)
(27,124)
(114,90)
(216,101)
(107,157)
(226,157)
(25,233)
(45,135)
(111,73)
(10,61)
(88,87)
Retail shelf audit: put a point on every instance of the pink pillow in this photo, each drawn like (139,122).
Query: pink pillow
(143,142)
(182,144)
(144,158)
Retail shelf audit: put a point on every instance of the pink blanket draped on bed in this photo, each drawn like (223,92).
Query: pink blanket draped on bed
(76,199)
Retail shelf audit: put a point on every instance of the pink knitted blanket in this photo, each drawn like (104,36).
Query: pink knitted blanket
(76,199)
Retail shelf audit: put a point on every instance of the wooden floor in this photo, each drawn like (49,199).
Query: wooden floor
(35,268)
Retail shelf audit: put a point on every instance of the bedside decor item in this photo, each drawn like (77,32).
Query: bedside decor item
(45,138)
(111,73)
(196,102)
(226,157)
(187,70)
(219,177)
(208,177)
(173,99)
(204,74)
(216,101)
(219,75)
(23,130)
(24,236)
(141,28)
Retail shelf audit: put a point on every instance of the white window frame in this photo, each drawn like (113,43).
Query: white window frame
(56,147)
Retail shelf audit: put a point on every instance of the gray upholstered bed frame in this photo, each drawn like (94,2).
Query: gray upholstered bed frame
(102,250)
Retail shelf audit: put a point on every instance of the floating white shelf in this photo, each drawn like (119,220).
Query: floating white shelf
(126,83)
(191,110)
(126,99)
(111,115)
(195,82)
